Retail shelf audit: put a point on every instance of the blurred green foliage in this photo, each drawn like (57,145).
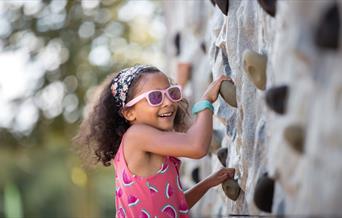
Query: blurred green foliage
(75,44)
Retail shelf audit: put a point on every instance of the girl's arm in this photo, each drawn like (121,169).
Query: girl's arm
(193,144)
(194,194)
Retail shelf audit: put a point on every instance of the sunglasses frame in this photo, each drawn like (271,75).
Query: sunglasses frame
(163,91)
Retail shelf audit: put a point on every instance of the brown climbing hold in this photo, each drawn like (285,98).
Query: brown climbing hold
(295,136)
(222,155)
(223,5)
(255,66)
(328,30)
(228,92)
(276,98)
(231,188)
(263,194)
(269,6)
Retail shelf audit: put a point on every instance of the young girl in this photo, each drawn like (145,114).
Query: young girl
(139,124)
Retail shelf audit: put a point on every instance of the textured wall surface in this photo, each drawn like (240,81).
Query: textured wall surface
(305,183)
(307,180)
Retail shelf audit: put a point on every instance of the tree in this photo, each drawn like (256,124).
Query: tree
(67,48)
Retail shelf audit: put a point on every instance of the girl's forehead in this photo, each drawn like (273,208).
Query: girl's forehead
(151,81)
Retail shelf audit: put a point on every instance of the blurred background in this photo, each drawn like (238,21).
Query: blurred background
(53,53)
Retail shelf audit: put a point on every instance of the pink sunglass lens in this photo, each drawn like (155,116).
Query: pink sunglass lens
(155,97)
(175,93)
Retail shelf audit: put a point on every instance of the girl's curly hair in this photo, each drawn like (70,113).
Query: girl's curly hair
(101,131)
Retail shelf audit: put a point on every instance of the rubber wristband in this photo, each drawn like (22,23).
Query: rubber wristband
(202,105)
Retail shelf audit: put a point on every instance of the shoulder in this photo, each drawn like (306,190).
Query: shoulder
(139,133)
(140,129)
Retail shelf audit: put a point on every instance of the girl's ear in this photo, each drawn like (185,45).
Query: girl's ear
(128,114)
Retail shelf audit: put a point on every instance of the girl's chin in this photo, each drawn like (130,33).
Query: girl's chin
(166,127)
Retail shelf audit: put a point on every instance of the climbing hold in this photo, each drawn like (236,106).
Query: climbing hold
(255,66)
(223,5)
(276,98)
(195,175)
(228,92)
(231,188)
(269,6)
(295,136)
(328,30)
(222,155)
(263,194)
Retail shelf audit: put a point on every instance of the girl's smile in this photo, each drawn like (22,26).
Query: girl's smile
(168,116)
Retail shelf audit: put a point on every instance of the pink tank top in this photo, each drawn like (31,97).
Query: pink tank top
(157,196)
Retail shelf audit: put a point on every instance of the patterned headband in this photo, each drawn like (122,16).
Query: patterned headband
(123,80)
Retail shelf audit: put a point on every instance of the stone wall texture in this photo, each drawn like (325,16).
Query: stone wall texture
(294,138)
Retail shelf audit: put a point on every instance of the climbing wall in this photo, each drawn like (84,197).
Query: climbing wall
(279,124)
(284,136)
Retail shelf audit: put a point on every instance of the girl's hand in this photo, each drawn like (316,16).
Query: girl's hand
(220,176)
(213,89)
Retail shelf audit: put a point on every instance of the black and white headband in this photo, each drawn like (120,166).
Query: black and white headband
(123,80)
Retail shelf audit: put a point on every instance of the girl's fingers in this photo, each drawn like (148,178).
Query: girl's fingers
(230,172)
(223,78)
(226,172)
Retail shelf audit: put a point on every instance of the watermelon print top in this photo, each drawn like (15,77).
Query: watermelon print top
(156,196)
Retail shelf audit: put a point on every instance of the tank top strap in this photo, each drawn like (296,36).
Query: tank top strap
(118,158)
(176,162)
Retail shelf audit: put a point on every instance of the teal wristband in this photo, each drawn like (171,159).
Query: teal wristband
(202,105)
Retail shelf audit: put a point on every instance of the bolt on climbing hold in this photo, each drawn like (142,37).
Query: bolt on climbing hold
(328,30)
(223,5)
(254,65)
(269,6)
(228,92)
(222,155)
(276,98)
(231,189)
(263,193)
(295,136)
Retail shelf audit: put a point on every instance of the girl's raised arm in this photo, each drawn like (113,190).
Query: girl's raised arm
(193,144)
